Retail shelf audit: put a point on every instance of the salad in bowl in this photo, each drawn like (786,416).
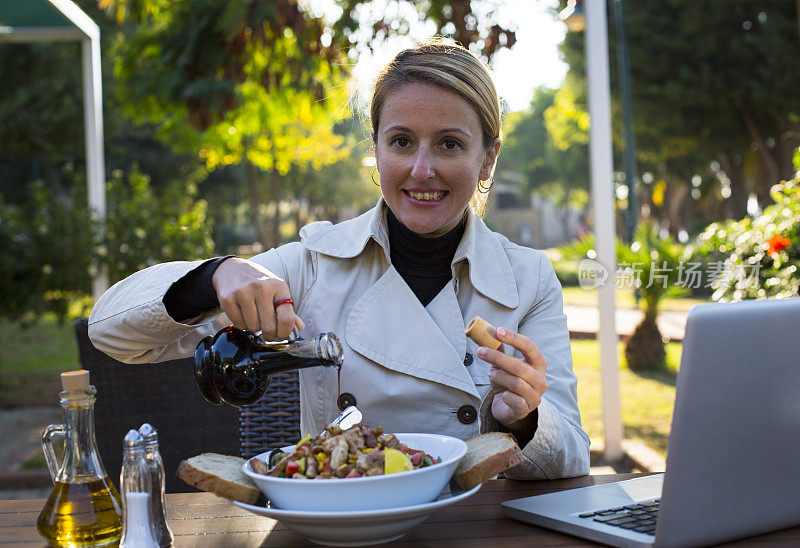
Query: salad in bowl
(360,468)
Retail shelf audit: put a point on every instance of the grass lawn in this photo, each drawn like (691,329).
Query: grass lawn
(574,295)
(31,360)
(647,399)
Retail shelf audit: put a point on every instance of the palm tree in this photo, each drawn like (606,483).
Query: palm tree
(652,266)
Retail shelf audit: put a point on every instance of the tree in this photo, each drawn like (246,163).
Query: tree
(547,145)
(237,82)
(256,82)
(652,265)
(710,81)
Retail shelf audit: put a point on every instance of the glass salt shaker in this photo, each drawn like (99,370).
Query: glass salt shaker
(135,483)
(155,465)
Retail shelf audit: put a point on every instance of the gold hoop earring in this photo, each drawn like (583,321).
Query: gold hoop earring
(483,188)
(373,177)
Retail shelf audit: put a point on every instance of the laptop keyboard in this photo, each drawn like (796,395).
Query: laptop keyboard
(640,517)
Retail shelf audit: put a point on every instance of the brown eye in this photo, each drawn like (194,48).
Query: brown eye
(451,144)
(400,141)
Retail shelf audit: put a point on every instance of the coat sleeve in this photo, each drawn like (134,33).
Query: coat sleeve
(560,447)
(130,322)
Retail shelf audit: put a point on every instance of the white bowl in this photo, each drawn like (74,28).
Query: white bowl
(370,492)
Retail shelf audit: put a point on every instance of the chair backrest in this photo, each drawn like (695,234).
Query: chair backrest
(163,394)
(274,421)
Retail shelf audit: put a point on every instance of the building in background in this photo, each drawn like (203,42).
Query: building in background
(533,222)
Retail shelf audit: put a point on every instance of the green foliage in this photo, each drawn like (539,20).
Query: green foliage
(652,264)
(712,82)
(231,81)
(341,185)
(481,29)
(144,227)
(653,261)
(45,252)
(51,246)
(547,145)
(41,114)
(761,255)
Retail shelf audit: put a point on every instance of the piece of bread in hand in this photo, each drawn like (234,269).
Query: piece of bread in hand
(487,455)
(219,474)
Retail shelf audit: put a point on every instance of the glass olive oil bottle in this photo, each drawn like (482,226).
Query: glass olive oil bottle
(84,508)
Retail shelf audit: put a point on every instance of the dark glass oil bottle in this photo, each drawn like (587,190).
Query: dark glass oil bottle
(84,508)
(234,365)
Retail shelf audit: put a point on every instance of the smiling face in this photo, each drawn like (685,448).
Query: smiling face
(430,154)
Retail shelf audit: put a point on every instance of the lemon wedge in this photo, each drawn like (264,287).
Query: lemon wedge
(396,461)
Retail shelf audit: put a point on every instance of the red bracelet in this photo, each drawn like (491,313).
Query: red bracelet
(279,302)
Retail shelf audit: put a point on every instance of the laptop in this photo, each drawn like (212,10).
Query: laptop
(733,456)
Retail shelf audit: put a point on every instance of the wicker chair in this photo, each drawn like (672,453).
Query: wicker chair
(274,421)
(165,395)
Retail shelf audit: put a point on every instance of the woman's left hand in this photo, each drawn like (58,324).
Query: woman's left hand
(519,383)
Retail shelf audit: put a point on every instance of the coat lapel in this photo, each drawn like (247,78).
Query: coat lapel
(405,338)
(446,314)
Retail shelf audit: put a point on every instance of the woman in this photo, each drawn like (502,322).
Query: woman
(397,284)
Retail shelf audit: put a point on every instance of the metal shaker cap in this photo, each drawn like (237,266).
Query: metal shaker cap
(149,433)
(133,440)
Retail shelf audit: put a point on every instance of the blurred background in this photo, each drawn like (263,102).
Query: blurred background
(230,125)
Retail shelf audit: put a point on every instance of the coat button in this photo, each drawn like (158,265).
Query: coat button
(345,400)
(467,414)
(468,359)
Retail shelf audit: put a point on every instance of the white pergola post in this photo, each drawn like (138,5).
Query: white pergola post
(95,161)
(602,177)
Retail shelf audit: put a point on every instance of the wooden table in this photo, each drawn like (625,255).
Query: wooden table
(202,519)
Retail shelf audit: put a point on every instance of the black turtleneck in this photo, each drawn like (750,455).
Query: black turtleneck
(424,263)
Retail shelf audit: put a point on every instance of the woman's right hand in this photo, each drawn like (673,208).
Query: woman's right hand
(247,292)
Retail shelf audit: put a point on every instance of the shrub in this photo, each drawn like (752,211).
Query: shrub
(144,227)
(51,246)
(760,255)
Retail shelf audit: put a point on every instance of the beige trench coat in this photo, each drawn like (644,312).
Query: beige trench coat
(404,363)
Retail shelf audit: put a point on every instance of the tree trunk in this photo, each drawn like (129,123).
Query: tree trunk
(767,162)
(298,218)
(678,192)
(644,349)
(736,205)
(565,213)
(788,141)
(255,204)
(275,186)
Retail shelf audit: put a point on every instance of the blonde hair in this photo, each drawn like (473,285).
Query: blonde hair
(450,66)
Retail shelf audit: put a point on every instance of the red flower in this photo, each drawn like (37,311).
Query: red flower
(777,243)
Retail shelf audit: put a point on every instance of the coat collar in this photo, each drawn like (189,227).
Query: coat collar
(480,250)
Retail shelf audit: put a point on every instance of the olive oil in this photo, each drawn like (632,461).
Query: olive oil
(82,513)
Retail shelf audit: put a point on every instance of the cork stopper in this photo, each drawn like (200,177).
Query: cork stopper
(75,380)
(482,332)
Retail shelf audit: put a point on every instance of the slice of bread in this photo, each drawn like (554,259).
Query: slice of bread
(219,474)
(487,455)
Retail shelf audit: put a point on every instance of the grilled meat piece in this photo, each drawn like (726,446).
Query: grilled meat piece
(369,436)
